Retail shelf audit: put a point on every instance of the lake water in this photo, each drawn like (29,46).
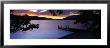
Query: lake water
(48,29)
(53,24)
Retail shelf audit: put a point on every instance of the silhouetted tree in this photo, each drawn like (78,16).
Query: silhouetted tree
(90,15)
(56,12)
(11,11)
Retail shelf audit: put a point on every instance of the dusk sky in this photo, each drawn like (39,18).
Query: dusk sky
(45,13)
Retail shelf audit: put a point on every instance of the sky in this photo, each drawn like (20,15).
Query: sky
(45,13)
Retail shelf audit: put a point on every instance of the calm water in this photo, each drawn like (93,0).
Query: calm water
(48,29)
(53,24)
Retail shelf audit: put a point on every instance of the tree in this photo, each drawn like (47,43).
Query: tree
(56,12)
(11,11)
(90,15)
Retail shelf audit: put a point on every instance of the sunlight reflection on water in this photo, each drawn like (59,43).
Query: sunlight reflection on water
(48,29)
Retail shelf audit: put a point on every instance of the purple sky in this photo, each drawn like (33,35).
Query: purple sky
(66,12)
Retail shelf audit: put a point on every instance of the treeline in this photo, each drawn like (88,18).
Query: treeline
(15,17)
(26,17)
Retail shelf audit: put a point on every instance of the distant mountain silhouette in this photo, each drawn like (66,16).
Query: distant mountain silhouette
(71,17)
(40,18)
(26,17)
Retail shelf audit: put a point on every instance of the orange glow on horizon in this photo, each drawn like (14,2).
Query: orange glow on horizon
(52,17)
(34,14)
(46,16)
(29,14)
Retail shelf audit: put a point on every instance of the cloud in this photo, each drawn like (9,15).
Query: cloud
(43,11)
(33,10)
